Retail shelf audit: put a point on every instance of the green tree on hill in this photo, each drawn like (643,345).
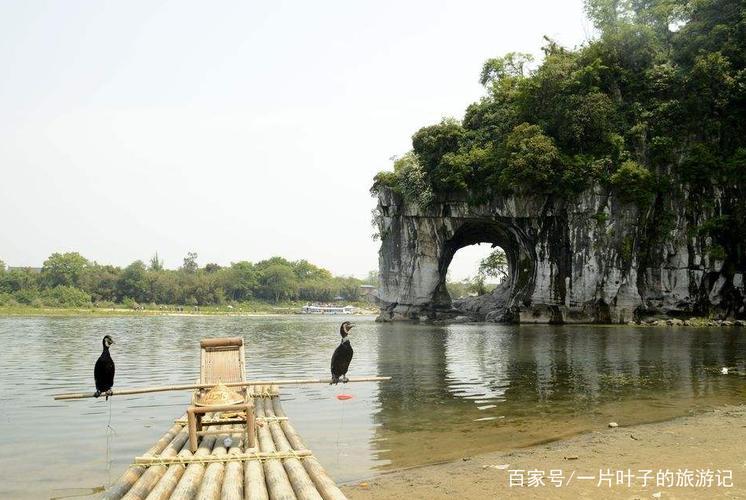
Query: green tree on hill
(278,281)
(653,106)
(190,265)
(133,283)
(156,264)
(100,282)
(63,269)
(241,280)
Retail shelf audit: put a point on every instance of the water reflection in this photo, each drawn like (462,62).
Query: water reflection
(457,390)
(468,388)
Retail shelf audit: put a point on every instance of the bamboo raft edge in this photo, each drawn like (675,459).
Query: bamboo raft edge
(238,457)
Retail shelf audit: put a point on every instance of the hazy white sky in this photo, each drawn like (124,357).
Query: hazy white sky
(238,130)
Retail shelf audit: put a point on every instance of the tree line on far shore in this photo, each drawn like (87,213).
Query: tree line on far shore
(71,280)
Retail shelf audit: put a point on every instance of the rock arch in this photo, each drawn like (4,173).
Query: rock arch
(502,233)
(581,261)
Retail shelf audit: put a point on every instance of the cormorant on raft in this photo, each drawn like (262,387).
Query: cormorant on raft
(103,372)
(342,355)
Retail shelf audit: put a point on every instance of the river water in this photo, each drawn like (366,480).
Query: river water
(456,390)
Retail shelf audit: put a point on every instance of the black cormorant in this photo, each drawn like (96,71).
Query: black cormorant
(342,355)
(104,370)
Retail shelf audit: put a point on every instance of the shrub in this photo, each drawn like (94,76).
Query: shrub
(129,303)
(411,179)
(699,165)
(26,296)
(531,159)
(65,296)
(633,182)
(408,179)
(7,299)
(384,178)
(431,143)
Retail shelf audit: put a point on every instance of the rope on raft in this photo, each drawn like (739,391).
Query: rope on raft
(264,393)
(230,420)
(209,459)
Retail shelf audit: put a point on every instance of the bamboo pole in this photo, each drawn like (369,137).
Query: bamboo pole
(255,486)
(254,482)
(213,478)
(150,477)
(324,484)
(167,483)
(189,387)
(303,486)
(278,484)
(190,481)
(233,478)
(133,473)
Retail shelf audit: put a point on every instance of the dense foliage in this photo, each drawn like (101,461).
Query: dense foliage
(70,280)
(658,97)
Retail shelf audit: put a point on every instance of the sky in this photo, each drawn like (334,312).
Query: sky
(238,130)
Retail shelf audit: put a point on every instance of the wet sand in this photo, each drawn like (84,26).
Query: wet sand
(690,453)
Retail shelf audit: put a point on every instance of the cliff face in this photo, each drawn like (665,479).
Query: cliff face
(589,259)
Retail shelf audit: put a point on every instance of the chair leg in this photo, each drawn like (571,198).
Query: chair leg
(250,427)
(192,421)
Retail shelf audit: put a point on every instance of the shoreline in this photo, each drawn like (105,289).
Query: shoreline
(683,450)
(19,312)
(265,310)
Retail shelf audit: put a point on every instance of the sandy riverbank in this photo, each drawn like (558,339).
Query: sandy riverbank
(688,447)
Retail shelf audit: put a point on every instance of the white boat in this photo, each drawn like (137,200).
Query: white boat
(311,309)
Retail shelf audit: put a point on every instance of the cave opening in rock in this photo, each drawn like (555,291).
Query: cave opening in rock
(476,270)
(479,240)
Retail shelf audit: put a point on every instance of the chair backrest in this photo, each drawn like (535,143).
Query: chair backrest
(222,360)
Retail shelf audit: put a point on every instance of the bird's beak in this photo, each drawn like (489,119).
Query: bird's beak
(352,325)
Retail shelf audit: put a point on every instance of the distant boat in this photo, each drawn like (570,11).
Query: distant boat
(309,309)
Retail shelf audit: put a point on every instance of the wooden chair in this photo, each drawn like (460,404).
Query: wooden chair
(222,360)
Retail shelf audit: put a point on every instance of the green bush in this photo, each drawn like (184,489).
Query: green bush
(717,252)
(129,303)
(633,182)
(601,218)
(7,299)
(408,179)
(411,180)
(65,296)
(385,179)
(431,144)
(26,296)
(531,160)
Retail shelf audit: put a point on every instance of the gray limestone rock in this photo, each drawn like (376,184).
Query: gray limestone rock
(581,261)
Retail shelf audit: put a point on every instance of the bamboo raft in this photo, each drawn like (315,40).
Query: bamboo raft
(280,467)
(250,451)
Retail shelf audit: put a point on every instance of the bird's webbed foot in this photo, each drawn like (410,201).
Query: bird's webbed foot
(108,393)
(335,380)
(345,379)
(96,394)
